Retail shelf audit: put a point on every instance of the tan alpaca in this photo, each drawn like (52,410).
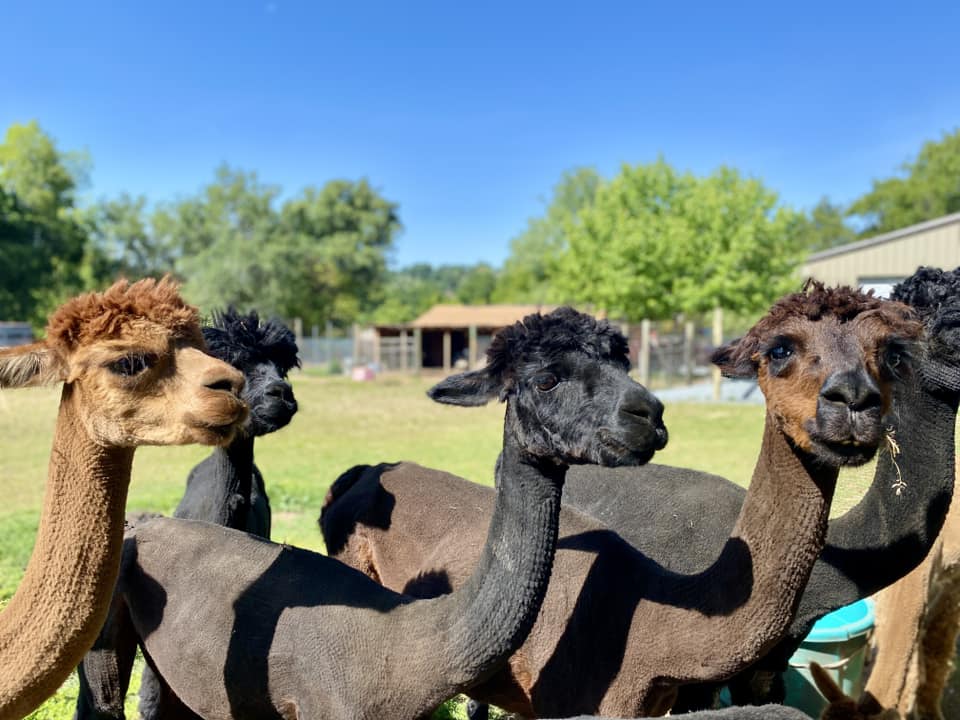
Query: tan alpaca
(134,373)
(918,619)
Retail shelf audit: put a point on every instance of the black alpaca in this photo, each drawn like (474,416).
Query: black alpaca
(240,627)
(227,487)
(680,518)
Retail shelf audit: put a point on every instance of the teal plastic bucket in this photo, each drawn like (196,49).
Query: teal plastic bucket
(838,642)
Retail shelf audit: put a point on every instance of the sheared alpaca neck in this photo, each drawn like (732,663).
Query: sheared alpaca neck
(773,546)
(224,482)
(63,598)
(474,629)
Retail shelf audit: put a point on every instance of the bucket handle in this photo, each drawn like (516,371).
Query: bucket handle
(826,666)
(836,665)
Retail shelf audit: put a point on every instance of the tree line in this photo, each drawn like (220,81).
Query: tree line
(651,241)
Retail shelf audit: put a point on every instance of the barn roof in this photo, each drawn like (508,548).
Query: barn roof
(885,237)
(483,316)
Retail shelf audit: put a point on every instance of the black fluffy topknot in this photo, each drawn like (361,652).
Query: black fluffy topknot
(929,289)
(544,338)
(243,341)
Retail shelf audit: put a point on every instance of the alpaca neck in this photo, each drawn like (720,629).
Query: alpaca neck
(478,626)
(226,476)
(755,584)
(62,601)
(893,527)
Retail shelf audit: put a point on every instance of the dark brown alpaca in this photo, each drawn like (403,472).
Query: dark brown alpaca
(239,627)
(617,633)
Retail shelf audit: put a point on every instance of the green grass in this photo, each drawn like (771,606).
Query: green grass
(340,423)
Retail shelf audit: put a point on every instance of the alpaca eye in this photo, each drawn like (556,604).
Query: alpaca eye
(780,351)
(130,365)
(545,382)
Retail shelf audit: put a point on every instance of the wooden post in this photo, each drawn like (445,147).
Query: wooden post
(356,345)
(643,362)
(417,350)
(328,343)
(472,357)
(376,349)
(298,330)
(447,351)
(688,330)
(717,342)
(404,350)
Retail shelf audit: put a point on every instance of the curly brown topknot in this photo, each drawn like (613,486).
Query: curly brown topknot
(813,302)
(544,338)
(99,315)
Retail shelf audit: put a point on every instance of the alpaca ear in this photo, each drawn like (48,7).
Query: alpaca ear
(473,388)
(29,365)
(826,684)
(735,359)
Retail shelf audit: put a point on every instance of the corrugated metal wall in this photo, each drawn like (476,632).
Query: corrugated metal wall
(892,259)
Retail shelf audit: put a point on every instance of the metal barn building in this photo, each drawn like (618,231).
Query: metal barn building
(882,261)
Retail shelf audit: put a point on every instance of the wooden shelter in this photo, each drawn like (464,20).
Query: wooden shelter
(448,336)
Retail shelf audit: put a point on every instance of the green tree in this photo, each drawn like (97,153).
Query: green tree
(336,241)
(42,177)
(124,242)
(43,238)
(477,285)
(408,293)
(825,227)
(929,187)
(526,273)
(657,242)
(222,242)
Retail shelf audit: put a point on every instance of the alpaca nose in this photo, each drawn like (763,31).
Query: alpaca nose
(854,390)
(280,391)
(638,403)
(225,378)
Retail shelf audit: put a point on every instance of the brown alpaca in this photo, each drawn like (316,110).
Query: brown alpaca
(133,373)
(918,620)
(841,706)
(617,633)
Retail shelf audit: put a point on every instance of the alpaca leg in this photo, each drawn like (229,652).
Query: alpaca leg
(105,670)
(157,700)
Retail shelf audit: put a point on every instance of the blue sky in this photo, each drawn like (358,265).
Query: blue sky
(467,114)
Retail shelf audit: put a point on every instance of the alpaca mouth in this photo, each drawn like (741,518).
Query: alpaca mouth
(846,452)
(222,430)
(637,448)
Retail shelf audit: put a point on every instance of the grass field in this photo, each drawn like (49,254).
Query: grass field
(340,423)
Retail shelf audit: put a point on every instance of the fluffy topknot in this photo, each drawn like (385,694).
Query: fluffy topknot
(549,336)
(815,300)
(243,341)
(929,289)
(96,316)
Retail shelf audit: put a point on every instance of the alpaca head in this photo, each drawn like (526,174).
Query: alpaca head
(133,365)
(826,360)
(264,353)
(569,398)
(935,296)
